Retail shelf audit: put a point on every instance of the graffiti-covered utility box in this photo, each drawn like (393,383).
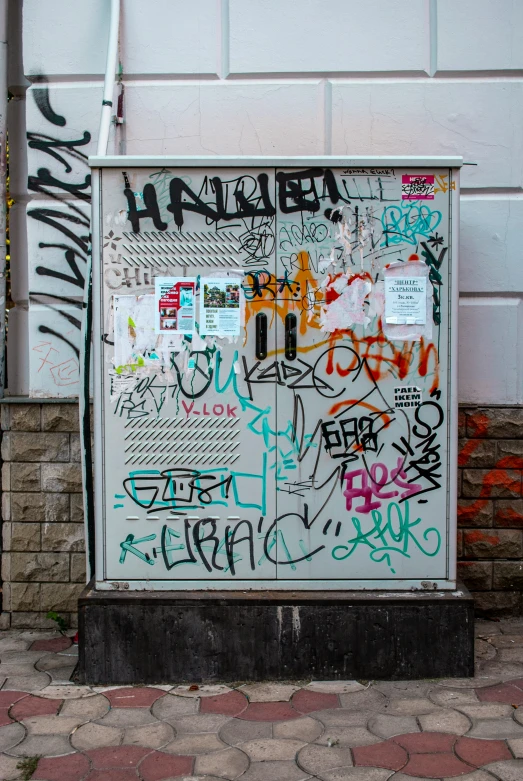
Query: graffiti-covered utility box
(275,421)
(275,373)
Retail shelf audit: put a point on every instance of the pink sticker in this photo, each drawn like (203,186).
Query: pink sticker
(417,187)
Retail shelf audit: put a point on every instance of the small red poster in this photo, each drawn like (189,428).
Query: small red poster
(417,187)
(174,305)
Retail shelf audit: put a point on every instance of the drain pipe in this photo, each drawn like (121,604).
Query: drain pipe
(87,320)
(3,185)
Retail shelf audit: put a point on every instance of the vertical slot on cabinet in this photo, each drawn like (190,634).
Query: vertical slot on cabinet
(290,336)
(261,336)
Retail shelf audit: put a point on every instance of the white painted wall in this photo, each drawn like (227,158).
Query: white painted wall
(282,77)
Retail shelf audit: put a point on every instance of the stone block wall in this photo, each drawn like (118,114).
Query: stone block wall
(43,560)
(490,508)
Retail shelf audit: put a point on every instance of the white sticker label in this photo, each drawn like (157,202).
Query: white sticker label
(408,396)
(219,306)
(406,300)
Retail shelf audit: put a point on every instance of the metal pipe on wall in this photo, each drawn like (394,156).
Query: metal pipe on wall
(86,337)
(3,184)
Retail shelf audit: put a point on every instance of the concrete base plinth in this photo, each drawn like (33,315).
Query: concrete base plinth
(204,636)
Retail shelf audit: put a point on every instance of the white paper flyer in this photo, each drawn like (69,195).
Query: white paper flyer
(406,300)
(219,306)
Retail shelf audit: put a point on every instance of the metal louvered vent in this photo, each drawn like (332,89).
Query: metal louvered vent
(181,249)
(177,439)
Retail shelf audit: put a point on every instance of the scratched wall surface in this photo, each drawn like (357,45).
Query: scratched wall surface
(282,77)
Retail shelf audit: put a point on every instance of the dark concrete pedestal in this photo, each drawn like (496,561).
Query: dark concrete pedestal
(170,637)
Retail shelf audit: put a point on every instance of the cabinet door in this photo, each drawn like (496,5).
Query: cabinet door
(362,405)
(188,476)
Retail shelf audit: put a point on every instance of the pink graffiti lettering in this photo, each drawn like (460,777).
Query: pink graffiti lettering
(365,485)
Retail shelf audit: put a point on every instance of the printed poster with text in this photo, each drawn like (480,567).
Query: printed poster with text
(219,306)
(174,299)
(406,300)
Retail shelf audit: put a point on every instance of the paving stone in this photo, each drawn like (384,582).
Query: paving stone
(511,770)
(484,650)
(4,717)
(445,721)
(90,736)
(269,771)
(10,735)
(347,737)
(52,645)
(170,707)
(269,692)
(230,704)
(503,670)
(8,769)
(69,768)
(152,735)
(111,775)
(49,662)
(476,775)
(118,757)
(316,759)
(511,654)
(195,743)
(237,731)
(306,701)
(386,726)
(357,774)
(34,706)
(10,669)
(369,699)
(13,643)
(435,766)
(9,697)
(51,725)
(306,729)
(503,692)
(229,763)
(481,752)
(409,707)
(62,675)
(496,728)
(389,755)
(487,710)
(137,697)
(516,746)
(454,698)
(67,691)
(43,745)
(202,722)
(262,750)
(477,682)
(400,689)
(335,687)
(32,683)
(342,717)
(201,690)
(426,742)
(91,707)
(160,766)
(127,717)
(269,711)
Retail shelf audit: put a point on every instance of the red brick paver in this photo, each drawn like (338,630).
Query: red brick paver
(435,766)
(158,766)
(305,701)
(388,755)
(426,742)
(139,697)
(117,756)
(8,698)
(55,645)
(229,704)
(73,767)
(481,752)
(34,706)
(112,775)
(503,692)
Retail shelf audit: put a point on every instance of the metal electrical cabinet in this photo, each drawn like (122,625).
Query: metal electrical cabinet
(275,372)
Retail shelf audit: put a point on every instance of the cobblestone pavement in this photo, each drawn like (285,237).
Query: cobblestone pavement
(467,728)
